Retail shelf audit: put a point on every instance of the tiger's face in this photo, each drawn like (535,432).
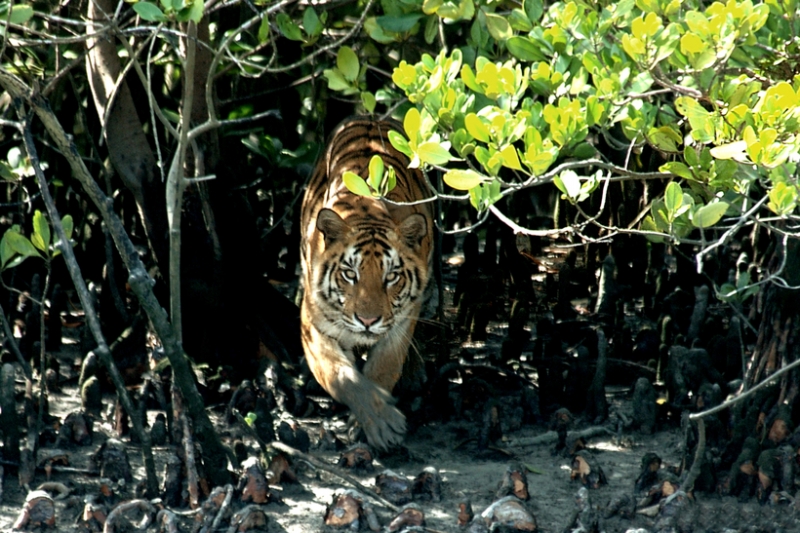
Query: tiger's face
(371,278)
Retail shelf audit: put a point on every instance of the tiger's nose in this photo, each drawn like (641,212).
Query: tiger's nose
(367,320)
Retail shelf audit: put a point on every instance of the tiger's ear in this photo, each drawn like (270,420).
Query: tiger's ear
(413,229)
(331,225)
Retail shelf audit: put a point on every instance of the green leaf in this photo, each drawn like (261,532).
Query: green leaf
(534,9)
(6,252)
(429,7)
(368,101)
(263,30)
(510,158)
(288,28)
(708,215)
(356,184)
(389,183)
(736,150)
(702,122)
(431,29)
(41,231)
(5,172)
(433,153)
(336,81)
(20,244)
(400,23)
(476,127)
(648,224)
(196,10)
(677,168)
(311,22)
(673,198)
(376,170)
(68,225)
(411,124)
(462,180)
(569,184)
(400,143)
(20,14)
(782,199)
(665,138)
(149,12)
(519,20)
(498,27)
(347,62)
(524,49)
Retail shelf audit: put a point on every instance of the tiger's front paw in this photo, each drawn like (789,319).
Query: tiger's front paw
(383,424)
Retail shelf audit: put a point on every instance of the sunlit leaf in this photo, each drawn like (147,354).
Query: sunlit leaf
(376,170)
(476,127)
(510,158)
(677,168)
(20,244)
(429,7)
(702,122)
(356,184)
(736,150)
(41,231)
(462,180)
(400,143)
(782,199)
(498,27)
(568,183)
(433,153)
(673,198)
(411,124)
(708,215)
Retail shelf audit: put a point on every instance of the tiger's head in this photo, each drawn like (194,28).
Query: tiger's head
(373,276)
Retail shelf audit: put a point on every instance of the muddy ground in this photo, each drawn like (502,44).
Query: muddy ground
(450,444)
(468,474)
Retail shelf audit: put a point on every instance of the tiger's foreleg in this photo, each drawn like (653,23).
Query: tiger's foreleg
(386,358)
(334,368)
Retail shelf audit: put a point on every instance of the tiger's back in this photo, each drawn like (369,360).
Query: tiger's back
(366,265)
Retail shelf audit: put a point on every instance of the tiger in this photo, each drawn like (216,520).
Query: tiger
(366,265)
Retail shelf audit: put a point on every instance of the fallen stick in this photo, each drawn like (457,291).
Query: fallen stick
(315,462)
(551,437)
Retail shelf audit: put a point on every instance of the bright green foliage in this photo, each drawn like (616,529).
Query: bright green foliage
(380,181)
(348,77)
(574,188)
(16,247)
(710,87)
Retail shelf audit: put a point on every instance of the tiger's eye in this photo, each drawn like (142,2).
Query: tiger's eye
(349,275)
(391,277)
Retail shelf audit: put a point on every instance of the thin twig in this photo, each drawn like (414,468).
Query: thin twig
(310,459)
(744,395)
